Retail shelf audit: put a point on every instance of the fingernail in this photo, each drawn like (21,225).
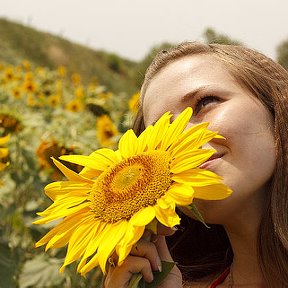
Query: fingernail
(159,264)
(174,228)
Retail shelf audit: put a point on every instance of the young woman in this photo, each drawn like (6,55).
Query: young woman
(244,96)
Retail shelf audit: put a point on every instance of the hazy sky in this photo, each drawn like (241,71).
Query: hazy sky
(131,27)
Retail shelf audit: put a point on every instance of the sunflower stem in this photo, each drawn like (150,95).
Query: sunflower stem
(197,214)
(135,280)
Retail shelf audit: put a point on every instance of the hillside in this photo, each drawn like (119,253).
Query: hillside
(18,42)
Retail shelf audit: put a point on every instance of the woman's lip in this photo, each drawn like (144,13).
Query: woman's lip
(211,160)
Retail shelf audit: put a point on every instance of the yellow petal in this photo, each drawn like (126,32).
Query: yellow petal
(96,163)
(176,128)
(197,177)
(167,217)
(190,160)
(79,241)
(100,240)
(56,189)
(106,248)
(107,158)
(132,236)
(143,217)
(159,131)
(69,174)
(100,232)
(93,262)
(62,232)
(128,144)
(212,192)
(144,139)
(66,201)
(60,212)
(192,138)
(181,194)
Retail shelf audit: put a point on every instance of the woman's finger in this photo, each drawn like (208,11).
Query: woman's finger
(164,230)
(120,276)
(161,247)
(147,249)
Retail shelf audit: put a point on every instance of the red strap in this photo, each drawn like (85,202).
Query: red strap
(221,278)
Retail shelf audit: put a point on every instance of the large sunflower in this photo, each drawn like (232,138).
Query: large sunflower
(107,206)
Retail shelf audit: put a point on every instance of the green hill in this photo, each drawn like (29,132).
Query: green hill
(18,42)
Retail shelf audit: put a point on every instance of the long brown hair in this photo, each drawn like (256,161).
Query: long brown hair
(210,251)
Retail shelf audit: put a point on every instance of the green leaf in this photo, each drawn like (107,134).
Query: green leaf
(8,266)
(158,276)
(134,282)
(41,271)
(197,214)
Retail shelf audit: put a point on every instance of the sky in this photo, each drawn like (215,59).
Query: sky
(130,28)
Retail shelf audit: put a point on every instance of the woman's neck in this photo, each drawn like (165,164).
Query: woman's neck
(245,270)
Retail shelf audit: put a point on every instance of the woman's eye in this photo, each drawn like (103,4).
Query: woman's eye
(205,101)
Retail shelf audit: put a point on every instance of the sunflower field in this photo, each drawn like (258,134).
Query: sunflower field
(45,113)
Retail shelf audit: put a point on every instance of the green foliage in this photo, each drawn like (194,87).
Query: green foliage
(211,36)
(9,261)
(282,54)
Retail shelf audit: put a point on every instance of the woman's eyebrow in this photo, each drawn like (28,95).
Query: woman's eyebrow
(205,88)
(194,92)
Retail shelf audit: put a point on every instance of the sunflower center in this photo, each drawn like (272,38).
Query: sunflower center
(131,185)
(126,178)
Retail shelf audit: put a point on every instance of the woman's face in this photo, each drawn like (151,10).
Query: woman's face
(246,158)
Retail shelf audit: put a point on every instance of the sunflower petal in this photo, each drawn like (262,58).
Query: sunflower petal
(79,241)
(56,189)
(190,160)
(107,158)
(143,217)
(93,262)
(212,192)
(159,131)
(196,177)
(132,235)
(96,162)
(144,139)
(69,174)
(168,217)
(192,138)
(59,212)
(106,248)
(176,128)
(181,194)
(60,235)
(128,144)
(100,231)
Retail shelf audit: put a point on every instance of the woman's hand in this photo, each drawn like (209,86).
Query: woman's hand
(145,257)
